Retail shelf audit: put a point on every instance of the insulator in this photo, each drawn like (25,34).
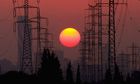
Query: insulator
(14,27)
(14,1)
(47,22)
(38,10)
(14,13)
(38,1)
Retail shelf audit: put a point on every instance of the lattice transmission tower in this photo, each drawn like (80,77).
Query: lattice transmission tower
(42,37)
(133,51)
(111,36)
(26,58)
(112,51)
(88,60)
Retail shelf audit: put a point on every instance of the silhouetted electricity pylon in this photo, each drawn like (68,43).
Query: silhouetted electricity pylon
(123,60)
(26,59)
(111,36)
(112,50)
(42,39)
(134,56)
(100,63)
(92,41)
(88,46)
(97,25)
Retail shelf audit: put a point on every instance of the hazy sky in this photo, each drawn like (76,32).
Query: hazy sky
(63,14)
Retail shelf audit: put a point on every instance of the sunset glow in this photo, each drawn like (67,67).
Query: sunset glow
(69,37)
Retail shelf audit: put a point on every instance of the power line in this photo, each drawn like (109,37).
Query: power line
(20,19)
(131,19)
(120,15)
(16,39)
(116,5)
(122,31)
(2,37)
(9,46)
(6,18)
(22,2)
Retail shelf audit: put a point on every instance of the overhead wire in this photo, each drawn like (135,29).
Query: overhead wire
(5,19)
(2,37)
(14,35)
(120,15)
(118,23)
(22,2)
(122,31)
(116,5)
(16,38)
(131,19)
(20,23)
(9,46)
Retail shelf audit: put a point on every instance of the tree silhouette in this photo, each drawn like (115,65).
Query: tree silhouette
(50,71)
(135,77)
(78,79)
(108,77)
(128,80)
(118,78)
(69,75)
(15,77)
(42,72)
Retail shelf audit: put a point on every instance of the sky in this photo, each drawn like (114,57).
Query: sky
(63,14)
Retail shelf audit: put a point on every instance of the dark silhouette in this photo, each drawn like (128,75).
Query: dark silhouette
(69,75)
(128,80)
(108,77)
(50,71)
(78,79)
(118,79)
(42,72)
(15,77)
(135,77)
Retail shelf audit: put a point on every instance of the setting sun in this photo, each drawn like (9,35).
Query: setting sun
(69,37)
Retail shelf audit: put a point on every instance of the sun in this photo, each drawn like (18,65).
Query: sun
(69,37)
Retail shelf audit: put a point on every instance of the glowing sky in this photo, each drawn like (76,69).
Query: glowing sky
(62,14)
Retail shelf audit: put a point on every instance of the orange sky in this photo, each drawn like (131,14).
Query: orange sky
(62,14)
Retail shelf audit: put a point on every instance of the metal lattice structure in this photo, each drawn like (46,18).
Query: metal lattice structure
(100,63)
(88,46)
(42,40)
(134,57)
(92,41)
(123,61)
(42,37)
(101,25)
(26,59)
(112,51)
